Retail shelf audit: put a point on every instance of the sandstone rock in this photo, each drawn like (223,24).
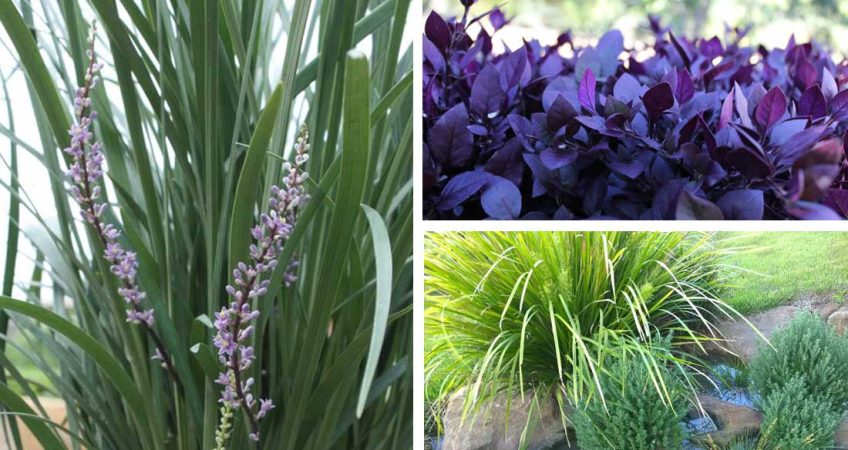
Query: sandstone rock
(839,320)
(825,310)
(732,420)
(488,428)
(823,304)
(742,341)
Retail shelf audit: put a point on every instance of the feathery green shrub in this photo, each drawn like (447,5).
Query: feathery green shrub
(809,350)
(795,418)
(633,414)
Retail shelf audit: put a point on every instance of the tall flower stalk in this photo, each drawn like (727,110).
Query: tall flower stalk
(85,172)
(234,323)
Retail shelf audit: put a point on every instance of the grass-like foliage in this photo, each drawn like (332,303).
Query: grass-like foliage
(795,419)
(810,351)
(198,109)
(633,414)
(519,311)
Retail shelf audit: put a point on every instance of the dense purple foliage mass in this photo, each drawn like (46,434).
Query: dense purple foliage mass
(697,129)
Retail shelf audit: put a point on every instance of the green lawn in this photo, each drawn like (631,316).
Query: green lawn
(779,267)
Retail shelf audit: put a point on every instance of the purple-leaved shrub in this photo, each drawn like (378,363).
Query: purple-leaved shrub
(700,129)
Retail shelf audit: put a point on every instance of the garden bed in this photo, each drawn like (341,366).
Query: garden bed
(769,378)
(728,414)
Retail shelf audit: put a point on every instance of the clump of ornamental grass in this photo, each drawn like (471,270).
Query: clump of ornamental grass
(547,311)
(701,128)
(234,324)
(633,413)
(129,306)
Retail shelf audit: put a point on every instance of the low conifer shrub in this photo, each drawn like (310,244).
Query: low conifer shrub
(633,413)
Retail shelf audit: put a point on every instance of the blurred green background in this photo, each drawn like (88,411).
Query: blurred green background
(773,21)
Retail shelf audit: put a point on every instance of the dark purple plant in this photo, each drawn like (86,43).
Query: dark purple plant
(234,322)
(702,129)
(85,173)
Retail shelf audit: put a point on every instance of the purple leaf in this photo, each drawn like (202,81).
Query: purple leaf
(837,200)
(506,162)
(828,87)
(501,199)
(450,141)
(562,213)
(798,144)
(680,50)
(685,87)
(514,70)
(692,207)
(554,158)
(771,108)
(542,175)
(438,31)
(805,73)
(630,169)
(486,93)
(755,95)
(742,204)
(460,188)
(664,204)
(658,99)
(560,114)
(432,54)
(812,103)
(711,48)
(595,123)
(839,101)
(709,137)
(497,19)
(522,128)
(786,129)
(586,91)
(609,47)
(593,196)
(812,211)
(750,163)
(627,88)
(742,106)
(588,59)
(615,121)
(726,110)
(716,71)
(560,86)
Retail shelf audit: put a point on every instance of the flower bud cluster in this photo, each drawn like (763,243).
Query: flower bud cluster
(85,172)
(234,324)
